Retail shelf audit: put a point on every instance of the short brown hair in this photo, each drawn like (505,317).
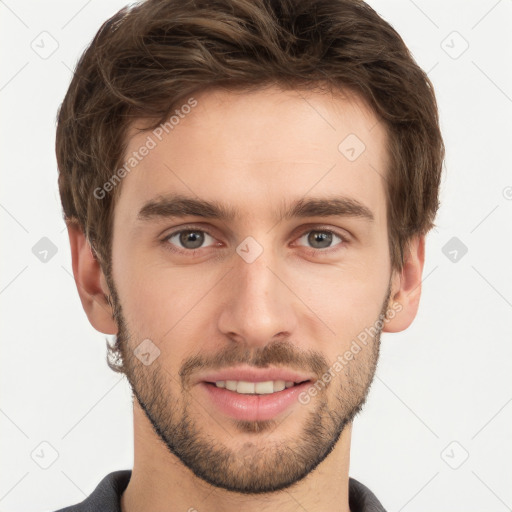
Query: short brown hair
(146,59)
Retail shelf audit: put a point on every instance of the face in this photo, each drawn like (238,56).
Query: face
(282,271)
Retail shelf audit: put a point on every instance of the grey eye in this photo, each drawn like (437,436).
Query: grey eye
(189,238)
(318,239)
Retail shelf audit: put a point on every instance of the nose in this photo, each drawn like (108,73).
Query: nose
(259,306)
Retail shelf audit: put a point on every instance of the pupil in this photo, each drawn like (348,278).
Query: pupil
(324,239)
(194,238)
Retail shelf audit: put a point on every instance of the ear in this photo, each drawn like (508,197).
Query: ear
(406,287)
(91,283)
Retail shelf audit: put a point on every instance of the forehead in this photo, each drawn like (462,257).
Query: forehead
(249,149)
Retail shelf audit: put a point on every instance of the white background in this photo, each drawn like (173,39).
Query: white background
(443,389)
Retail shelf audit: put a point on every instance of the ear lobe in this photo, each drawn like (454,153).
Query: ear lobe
(406,287)
(90,281)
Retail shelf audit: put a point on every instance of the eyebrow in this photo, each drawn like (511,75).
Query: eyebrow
(176,206)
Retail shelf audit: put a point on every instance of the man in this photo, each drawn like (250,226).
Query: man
(247,187)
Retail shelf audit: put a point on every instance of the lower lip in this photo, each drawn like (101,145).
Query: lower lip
(253,407)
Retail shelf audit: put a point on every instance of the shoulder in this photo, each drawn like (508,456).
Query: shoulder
(106,497)
(361,499)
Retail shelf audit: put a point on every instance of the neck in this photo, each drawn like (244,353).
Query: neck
(161,483)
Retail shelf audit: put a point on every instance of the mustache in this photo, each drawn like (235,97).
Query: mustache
(279,353)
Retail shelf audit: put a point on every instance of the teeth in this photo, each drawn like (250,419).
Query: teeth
(263,388)
(245,387)
(251,388)
(279,385)
(231,385)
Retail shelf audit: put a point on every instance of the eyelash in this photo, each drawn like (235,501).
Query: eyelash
(311,250)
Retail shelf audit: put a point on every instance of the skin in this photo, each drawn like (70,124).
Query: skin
(296,302)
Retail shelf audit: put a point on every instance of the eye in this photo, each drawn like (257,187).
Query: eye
(187,239)
(321,239)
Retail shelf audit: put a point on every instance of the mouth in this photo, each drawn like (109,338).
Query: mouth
(255,388)
(253,401)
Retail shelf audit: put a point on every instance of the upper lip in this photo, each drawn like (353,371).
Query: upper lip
(249,374)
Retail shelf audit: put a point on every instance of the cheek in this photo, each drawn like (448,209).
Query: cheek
(345,300)
(159,300)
